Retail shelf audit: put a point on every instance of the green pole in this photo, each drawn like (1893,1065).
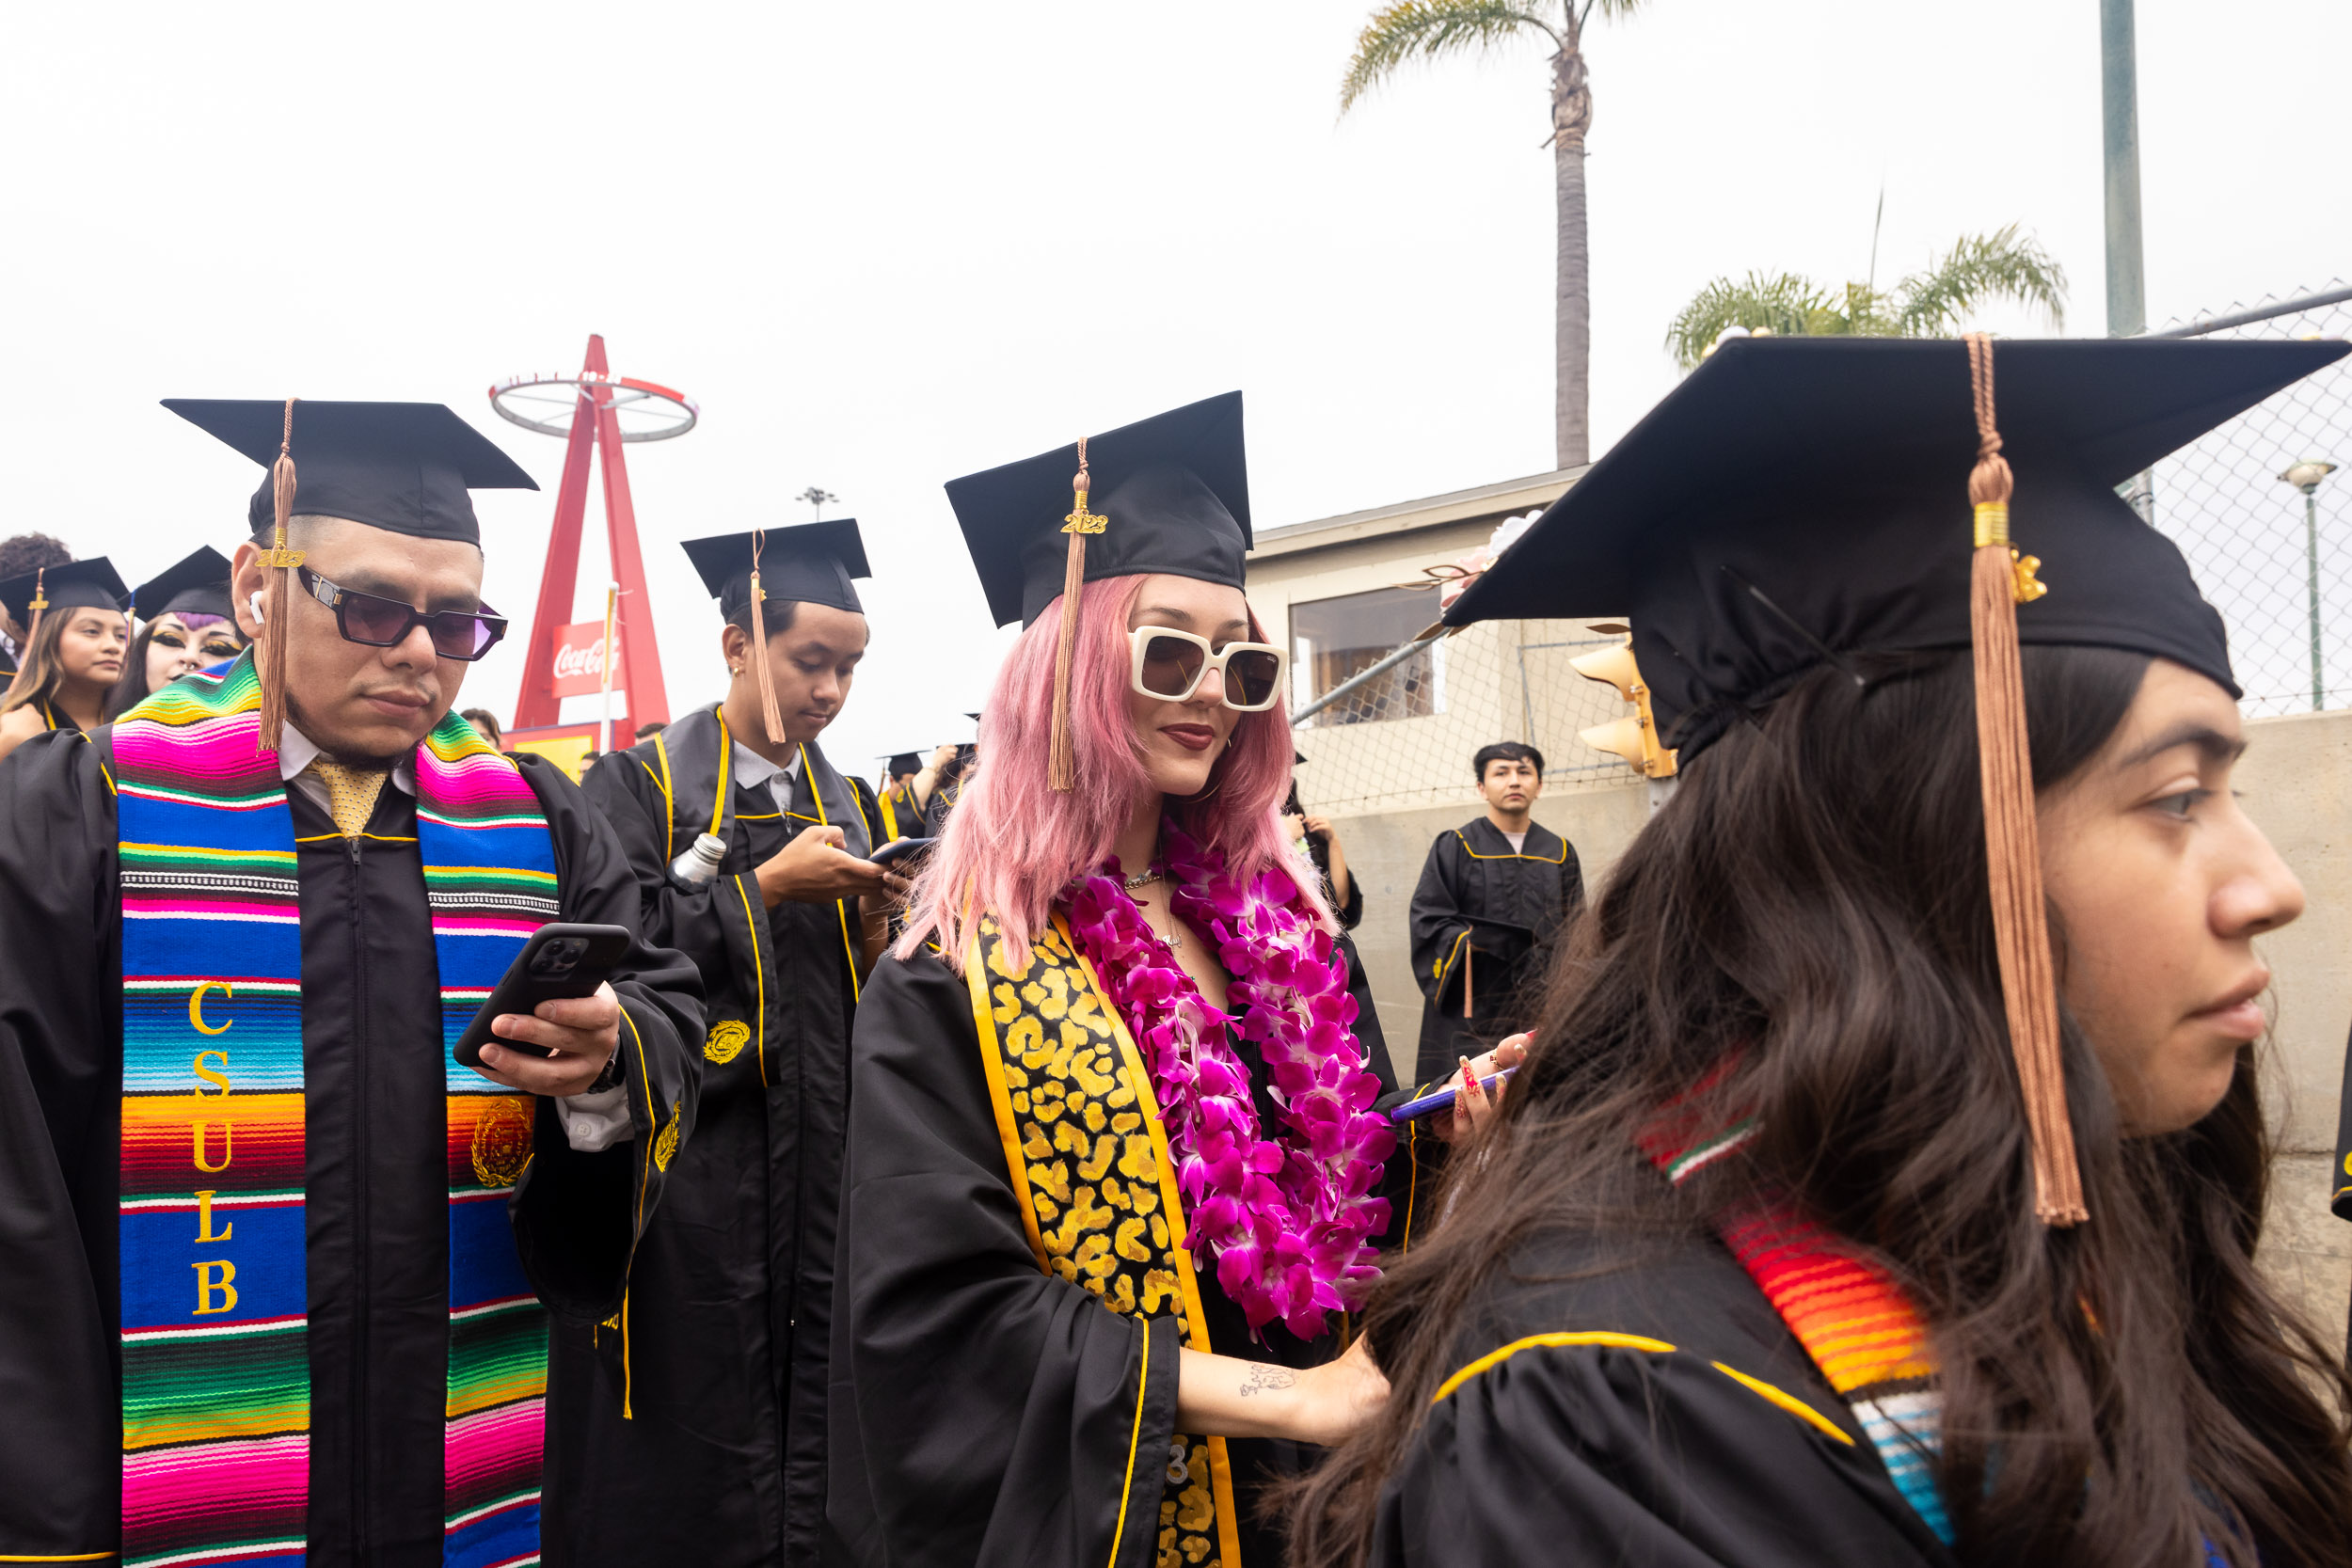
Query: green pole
(2118,98)
(2310,547)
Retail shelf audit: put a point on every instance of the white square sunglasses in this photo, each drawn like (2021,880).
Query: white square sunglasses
(1170,664)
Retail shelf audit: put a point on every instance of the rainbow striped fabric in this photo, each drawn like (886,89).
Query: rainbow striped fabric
(215,1373)
(1850,1317)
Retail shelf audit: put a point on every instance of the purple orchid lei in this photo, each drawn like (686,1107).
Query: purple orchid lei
(1286,1218)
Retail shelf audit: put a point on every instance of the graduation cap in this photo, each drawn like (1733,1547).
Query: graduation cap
(405,466)
(1798,501)
(806,563)
(902,763)
(73,585)
(803,563)
(198,583)
(1174,495)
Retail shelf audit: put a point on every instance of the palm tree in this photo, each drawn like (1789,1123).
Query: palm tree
(1428,29)
(1977,270)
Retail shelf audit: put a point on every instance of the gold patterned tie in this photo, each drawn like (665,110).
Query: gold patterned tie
(351,793)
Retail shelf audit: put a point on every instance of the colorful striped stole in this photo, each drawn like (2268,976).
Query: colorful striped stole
(215,1293)
(1852,1318)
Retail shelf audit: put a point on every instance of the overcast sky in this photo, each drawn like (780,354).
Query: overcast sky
(882,246)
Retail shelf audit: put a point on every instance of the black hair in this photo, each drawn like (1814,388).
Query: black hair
(777,615)
(1506,750)
(31,552)
(1803,934)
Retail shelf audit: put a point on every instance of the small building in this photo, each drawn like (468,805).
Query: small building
(1390,760)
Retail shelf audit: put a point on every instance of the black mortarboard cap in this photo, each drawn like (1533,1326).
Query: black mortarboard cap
(1830,475)
(197,582)
(905,762)
(405,466)
(72,586)
(1174,490)
(803,562)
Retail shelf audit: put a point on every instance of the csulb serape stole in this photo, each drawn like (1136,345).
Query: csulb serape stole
(214,1293)
(1853,1321)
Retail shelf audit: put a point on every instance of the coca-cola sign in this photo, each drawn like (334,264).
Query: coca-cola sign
(579,665)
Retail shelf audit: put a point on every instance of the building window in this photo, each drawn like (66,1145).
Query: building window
(1332,639)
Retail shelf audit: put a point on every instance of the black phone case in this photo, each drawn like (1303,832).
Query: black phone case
(902,849)
(523,987)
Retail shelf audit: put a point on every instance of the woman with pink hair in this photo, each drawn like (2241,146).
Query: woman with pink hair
(1116,1171)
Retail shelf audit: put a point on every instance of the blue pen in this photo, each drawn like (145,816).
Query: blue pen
(1413,1110)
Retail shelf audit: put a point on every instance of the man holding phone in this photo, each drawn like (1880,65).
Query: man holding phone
(720,1456)
(260,1294)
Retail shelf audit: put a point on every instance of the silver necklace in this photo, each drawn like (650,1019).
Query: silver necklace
(1143,878)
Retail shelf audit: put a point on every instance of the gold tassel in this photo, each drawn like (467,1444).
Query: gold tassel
(269,659)
(38,602)
(770,714)
(2021,932)
(1062,763)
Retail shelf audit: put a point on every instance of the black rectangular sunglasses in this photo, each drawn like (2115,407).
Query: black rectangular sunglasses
(376,622)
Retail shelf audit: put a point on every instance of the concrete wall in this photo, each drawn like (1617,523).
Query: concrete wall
(2296,781)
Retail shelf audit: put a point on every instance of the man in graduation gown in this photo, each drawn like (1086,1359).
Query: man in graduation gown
(259,1298)
(1494,894)
(718,1457)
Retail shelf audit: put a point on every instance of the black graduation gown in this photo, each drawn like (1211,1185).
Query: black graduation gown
(724,1462)
(982,1410)
(375,1156)
(1508,904)
(1639,1457)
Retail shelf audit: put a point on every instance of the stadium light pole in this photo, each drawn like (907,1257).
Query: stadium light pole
(2127,291)
(2306,476)
(816,499)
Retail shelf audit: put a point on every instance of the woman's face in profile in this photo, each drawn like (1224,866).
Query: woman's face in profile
(2162,883)
(1181,742)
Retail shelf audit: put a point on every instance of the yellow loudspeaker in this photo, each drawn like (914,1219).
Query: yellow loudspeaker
(1610,666)
(1634,739)
(1619,738)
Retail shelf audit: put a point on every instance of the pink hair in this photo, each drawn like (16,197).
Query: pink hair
(1012,845)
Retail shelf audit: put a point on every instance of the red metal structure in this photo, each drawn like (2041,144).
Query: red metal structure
(605,413)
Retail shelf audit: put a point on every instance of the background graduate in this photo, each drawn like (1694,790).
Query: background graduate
(718,1456)
(1097,1242)
(1844,1213)
(260,1296)
(77,641)
(186,624)
(1493,895)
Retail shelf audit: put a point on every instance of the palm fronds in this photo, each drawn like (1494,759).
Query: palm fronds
(1430,29)
(1937,303)
(1979,269)
(1777,302)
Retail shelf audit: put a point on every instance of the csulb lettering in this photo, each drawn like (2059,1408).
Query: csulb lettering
(213,1278)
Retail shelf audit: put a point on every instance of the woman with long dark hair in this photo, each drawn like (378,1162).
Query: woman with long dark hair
(1788,1247)
(73,651)
(188,624)
(1115,1171)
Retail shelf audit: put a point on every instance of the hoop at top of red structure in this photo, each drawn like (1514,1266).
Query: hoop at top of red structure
(594,410)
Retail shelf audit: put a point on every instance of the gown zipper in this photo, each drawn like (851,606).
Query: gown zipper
(360,1369)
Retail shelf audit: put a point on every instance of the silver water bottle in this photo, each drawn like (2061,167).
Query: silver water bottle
(700,863)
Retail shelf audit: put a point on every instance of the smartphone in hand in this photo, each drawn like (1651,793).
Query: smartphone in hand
(561,961)
(902,848)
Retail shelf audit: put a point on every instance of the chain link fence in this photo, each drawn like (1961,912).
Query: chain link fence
(2274,559)
(1393,726)
(1401,732)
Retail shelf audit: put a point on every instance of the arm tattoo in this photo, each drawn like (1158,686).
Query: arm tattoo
(1263,1377)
